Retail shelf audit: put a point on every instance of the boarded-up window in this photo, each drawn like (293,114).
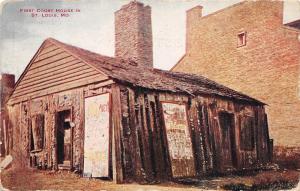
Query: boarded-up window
(247,133)
(37,132)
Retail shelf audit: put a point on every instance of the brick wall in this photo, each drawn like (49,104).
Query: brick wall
(266,68)
(133,33)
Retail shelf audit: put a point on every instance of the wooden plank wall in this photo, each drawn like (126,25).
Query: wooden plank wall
(52,70)
(48,106)
(144,147)
(143,142)
(139,144)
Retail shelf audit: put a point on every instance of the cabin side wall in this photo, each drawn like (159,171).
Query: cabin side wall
(145,149)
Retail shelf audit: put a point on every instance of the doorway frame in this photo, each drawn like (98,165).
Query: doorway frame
(232,134)
(69,108)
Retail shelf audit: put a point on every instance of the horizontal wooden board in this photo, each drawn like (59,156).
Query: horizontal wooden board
(46,61)
(48,66)
(47,44)
(64,79)
(55,74)
(53,67)
(53,70)
(61,87)
(49,54)
(48,49)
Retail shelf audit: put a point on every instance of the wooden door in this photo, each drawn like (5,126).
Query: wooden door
(227,139)
(96,139)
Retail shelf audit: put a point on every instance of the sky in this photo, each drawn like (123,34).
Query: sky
(92,27)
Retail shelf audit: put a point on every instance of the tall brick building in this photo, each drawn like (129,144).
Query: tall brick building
(247,47)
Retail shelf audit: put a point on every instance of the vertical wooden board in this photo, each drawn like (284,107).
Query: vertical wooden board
(179,140)
(207,136)
(118,175)
(156,136)
(144,137)
(15,146)
(197,138)
(261,151)
(24,133)
(228,139)
(216,137)
(127,153)
(166,163)
(80,148)
(136,161)
(96,145)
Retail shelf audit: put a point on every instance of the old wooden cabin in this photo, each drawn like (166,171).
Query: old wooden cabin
(111,117)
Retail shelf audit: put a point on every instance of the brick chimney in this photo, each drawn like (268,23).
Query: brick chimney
(133,33)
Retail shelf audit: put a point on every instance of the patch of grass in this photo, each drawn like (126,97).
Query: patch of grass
(268,180)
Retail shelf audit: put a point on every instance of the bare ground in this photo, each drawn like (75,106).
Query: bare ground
(32,179)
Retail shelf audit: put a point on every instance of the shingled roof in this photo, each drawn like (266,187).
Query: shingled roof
(129,72)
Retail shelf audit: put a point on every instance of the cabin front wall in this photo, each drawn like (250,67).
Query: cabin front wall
(34,126)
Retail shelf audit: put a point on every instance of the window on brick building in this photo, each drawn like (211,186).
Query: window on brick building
(241,39)
(247,133)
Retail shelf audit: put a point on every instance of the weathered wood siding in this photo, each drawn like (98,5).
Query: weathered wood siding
(52,70)
(145,154)
(139,146)
(22,114)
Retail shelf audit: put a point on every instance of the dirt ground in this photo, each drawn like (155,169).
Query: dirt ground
(32,179)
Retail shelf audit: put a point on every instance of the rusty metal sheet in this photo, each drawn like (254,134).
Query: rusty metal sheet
(96,140)
(179,140)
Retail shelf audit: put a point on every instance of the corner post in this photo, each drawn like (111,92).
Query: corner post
(116,135)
